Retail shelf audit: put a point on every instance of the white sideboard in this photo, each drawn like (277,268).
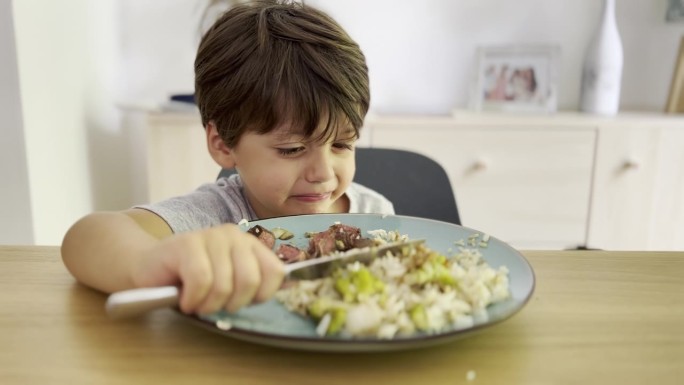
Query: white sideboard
(553,181)
(169,154)
(529,185)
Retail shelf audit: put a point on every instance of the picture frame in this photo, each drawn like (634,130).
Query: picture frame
(675,99)
(519,78)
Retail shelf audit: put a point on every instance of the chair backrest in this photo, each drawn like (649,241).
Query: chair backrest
(416,184)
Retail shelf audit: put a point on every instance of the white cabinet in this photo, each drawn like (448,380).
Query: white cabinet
(527,185)
(638,194)
(536,181)
(559,180)
(626,167)
(169,153)
(667,224)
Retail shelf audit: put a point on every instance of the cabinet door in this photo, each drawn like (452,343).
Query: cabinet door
(623,188)
(667,226)
(638,202)
(528,186)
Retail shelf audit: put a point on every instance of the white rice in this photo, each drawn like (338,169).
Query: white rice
(414,295)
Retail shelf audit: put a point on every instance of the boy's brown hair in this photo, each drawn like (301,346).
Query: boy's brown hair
(266,63)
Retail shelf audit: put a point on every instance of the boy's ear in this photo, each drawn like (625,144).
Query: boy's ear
(218,149)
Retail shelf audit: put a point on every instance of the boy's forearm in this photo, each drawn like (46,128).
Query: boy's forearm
(101,250)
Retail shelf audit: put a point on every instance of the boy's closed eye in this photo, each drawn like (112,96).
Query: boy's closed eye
(343,145)
(290,151)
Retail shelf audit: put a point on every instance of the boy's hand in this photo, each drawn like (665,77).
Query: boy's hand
(218,268)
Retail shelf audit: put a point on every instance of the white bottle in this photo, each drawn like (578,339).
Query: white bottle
(602,72)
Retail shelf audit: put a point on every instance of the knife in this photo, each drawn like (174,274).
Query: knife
(133,302)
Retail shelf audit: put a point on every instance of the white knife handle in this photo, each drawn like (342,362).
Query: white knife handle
(134,302)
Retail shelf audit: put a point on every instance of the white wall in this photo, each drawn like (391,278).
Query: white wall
(15,203)
(421,53)
(66,65)
(77,58)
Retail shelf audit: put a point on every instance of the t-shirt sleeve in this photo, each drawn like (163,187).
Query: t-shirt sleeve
(210,205)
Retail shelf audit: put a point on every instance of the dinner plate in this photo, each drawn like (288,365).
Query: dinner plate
(270,323)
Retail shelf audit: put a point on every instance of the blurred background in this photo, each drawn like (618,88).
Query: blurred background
(69,68)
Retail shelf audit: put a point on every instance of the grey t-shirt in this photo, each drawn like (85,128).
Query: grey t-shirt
(223,201)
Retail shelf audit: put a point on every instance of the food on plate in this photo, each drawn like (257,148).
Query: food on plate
(398,294)
(337,237)
(289,253)
(265,236)
(282,234)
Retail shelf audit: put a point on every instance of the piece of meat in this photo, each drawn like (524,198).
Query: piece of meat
(265,236)
(347,235)
(321,244)
(337,237)
(290,253)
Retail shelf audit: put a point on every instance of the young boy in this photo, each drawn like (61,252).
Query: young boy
(282,91)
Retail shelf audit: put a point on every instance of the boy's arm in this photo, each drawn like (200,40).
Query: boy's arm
(218,267)
(101,248)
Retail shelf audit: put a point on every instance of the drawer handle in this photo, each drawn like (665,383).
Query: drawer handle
(478,166)
(630,164)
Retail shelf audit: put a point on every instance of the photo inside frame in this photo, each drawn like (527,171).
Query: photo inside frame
(515,79)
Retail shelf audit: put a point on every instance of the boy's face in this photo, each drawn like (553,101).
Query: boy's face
(285,174)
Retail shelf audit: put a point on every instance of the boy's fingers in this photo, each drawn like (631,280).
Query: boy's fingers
(272,273)
(217,273)
(222,268)
(194,270)
(246,274)
(196,277)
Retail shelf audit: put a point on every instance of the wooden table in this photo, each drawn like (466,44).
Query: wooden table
(595,318)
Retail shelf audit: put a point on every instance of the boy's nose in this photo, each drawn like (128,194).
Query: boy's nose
(319,168)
